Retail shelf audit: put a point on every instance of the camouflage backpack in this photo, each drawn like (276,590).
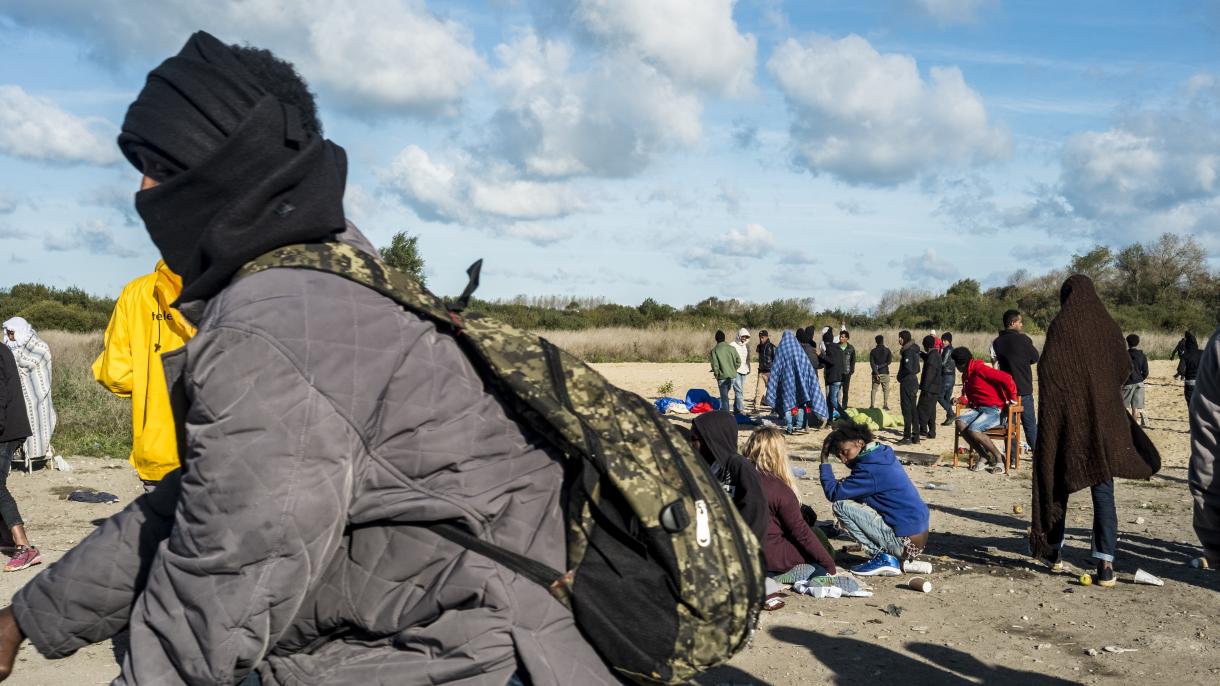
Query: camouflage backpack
(663,576)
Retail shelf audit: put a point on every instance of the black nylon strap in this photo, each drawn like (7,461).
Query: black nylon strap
(531,569)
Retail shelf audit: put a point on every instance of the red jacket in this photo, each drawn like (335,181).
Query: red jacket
(790,541)
(983,386)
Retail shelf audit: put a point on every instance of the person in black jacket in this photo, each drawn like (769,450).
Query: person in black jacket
(833,366)
(713,435)
(766,355)
(930,384)
(14,429)
(849,364)
(948,377)
(908,386)
(879,359)
(1016,355)
(1133,389)
(1188,364)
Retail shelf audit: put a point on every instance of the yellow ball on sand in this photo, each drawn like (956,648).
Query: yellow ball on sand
(1086,580)
(1017,509)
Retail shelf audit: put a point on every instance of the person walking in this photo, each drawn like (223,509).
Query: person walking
(14,430)
(1188,365)
(930,380)
(849,365)
(766,357)
(908,386)
(1133,388)
(1087,437)
(142,328)
(948,372)
(725,362)
(879,359)
(33,358)
(1015,353)
(742,345)
(326,429)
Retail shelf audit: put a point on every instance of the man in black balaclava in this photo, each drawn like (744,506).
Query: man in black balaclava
(318,421)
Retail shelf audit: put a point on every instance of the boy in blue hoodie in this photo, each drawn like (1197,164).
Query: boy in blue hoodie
(877,503)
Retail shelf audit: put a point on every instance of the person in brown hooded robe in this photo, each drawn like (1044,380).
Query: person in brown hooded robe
(1085,436)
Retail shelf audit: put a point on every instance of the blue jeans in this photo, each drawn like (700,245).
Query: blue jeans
(1105,524)
(725,386)
(834,391)
(980,418)
(798,419)
(946,395)
(1029,422)
(868,528)
(739,386)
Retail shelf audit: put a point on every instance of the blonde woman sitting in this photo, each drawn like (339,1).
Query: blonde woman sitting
(792,550)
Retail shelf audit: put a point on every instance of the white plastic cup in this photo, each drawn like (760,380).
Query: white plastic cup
(917,567)
(1142,577)
(920,584)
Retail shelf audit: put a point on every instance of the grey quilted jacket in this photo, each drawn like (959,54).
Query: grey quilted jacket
(321,421)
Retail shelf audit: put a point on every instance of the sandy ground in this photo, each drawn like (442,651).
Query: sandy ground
(993,616)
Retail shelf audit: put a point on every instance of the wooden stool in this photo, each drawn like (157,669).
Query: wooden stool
(1009,432)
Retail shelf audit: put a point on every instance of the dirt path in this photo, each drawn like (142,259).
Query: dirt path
(992,618)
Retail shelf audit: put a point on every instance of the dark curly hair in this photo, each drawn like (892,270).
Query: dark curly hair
(281,79)
(844,432)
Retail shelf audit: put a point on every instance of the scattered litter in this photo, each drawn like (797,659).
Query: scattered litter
(1199,563)
(1042,646)
(1017,509)
(917,567)
(1116,649)
(920,584)
(831,587)
(847,632)
(892,610)
(1139,520)
(935,486)
(920,629)
(1024,618)
(1092,652)
(1142,577)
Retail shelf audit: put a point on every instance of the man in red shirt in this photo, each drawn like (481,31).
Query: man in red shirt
(985,391)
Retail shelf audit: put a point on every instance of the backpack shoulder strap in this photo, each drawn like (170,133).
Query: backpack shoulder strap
(353,263)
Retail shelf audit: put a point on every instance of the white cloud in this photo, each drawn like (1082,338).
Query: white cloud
(752,241)
(8,203)
(611,119)
(730,195)
(928,267)
(872,118)
(797,257)
(35,128)
(951,11)
(92,236)
(1040,253)
(461,191)
(372,56)
(695,42)
(539,234)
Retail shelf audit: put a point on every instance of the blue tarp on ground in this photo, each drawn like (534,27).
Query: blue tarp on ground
(662,404)
(698,395)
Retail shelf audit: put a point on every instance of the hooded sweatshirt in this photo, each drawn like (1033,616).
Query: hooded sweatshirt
(879,481)
(143,327)
(908,363)
(743,352)
(1085,435)
(984,386)
(834,361)
(34,368)
(740,480)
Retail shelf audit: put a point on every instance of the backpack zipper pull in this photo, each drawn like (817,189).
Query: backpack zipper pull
(703,530)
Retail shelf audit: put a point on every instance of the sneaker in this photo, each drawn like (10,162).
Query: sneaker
(906,440)
(1055,562)
(1105,577)
(882,564)
(979,465)
(996,468)
(27,556)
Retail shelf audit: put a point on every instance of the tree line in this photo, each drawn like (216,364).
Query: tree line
(1160,286)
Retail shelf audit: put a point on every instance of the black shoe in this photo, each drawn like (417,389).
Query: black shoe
(1105,576)
(948,421)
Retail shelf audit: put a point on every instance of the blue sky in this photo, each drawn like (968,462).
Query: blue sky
(675,149)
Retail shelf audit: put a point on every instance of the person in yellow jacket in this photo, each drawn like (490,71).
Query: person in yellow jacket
(142,328)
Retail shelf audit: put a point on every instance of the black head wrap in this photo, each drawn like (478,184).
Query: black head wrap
(239,175)
(961,355)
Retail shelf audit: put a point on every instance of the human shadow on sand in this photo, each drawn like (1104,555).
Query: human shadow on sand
(855,661)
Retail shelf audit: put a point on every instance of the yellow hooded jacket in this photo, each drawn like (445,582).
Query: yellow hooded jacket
(142,327)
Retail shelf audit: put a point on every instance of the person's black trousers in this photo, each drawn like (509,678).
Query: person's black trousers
(908,395)
(927,411)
